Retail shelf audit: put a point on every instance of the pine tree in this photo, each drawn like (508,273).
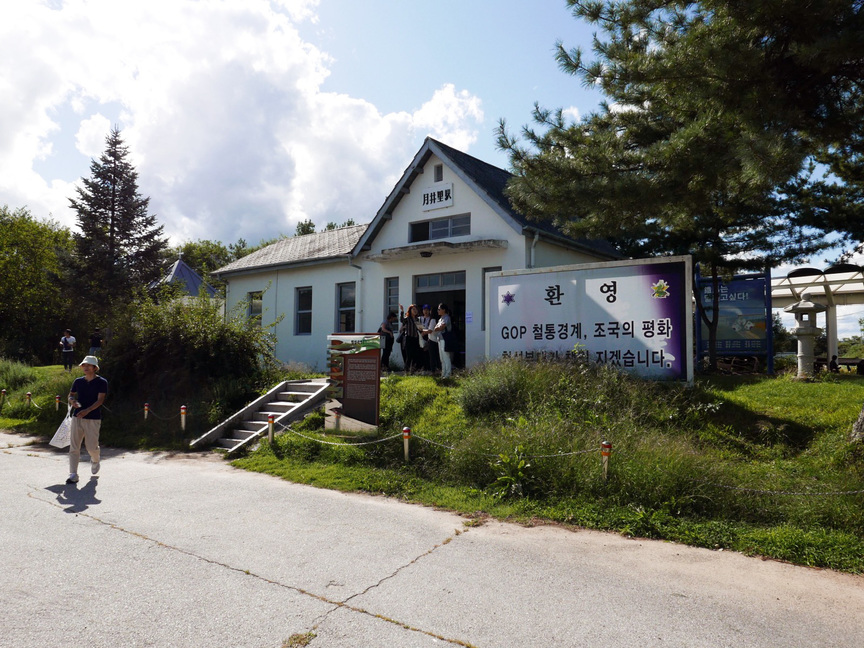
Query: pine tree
(119,244)
(716,111)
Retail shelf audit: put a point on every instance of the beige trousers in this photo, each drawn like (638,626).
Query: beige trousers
(86,430)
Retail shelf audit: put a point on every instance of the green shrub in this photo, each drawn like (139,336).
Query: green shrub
(172,352)
(14,374)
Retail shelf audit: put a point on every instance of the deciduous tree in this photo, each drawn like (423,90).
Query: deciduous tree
(33,306)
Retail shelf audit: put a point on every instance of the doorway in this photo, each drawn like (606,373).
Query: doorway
(445,288)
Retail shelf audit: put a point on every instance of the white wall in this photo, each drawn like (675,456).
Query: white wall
(279,299)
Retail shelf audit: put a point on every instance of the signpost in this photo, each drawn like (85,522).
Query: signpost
(355,375)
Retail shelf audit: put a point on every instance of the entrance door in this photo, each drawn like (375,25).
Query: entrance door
(445,288)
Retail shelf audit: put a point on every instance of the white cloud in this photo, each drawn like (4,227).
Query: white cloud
(451,116)
(90,138)
(221,108)
(572,113)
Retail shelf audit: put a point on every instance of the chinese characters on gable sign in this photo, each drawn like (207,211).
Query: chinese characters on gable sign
(632,315)
(437,197)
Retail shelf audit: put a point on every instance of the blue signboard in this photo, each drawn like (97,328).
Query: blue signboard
(744,324)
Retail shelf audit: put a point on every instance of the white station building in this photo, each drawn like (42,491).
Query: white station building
(443,228)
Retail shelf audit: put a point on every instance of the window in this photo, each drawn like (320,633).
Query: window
(254,305)
(483,293)
(303,311)
(441,228)
(434,282)
(391,295)
(439,172)
(345,305)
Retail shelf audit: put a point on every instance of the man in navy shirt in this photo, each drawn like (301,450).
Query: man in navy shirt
(86,397)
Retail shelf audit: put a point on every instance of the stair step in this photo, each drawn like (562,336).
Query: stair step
(242,435)
(288,401)
(280,406)
(293,396)
(250,427)
(261,417)
(307,387)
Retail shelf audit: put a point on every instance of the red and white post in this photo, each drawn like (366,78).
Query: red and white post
(146,410)
(183,417)
(606,452)
(406,443)
(270,428)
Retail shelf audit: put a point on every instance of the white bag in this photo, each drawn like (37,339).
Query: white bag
(61,436)
(422,341)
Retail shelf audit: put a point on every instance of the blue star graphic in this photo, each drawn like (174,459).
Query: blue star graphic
(508,298)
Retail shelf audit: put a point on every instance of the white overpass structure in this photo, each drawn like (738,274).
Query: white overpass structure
(839,285)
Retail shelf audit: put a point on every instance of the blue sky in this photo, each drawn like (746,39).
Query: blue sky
(244,117)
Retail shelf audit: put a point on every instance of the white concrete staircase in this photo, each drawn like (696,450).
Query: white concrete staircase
(288,401)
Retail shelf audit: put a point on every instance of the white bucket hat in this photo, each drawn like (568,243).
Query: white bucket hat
(91,360)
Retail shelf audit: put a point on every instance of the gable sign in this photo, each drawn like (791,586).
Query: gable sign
(634,315)
(437,197)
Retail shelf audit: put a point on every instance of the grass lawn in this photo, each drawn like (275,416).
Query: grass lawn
(760,465)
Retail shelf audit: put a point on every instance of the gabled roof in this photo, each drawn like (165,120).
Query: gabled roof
(308,249)
(189,281)
(488,182)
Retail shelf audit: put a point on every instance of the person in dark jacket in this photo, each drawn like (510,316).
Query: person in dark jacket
(411,344)
(386,332)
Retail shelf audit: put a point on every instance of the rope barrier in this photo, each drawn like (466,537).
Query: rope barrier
(406,434)
(605,450)
(334,443)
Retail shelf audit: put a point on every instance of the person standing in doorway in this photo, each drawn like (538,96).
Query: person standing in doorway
(443,328)
(95,343)
(86,397)
(386,332)
(428,322)
(67,350)
(411,345)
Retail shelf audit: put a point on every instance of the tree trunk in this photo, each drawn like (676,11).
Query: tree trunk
(714,320)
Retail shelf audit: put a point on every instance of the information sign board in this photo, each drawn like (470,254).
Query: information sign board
(355,374)
(636,315)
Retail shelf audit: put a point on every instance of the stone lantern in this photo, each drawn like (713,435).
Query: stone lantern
(806,332)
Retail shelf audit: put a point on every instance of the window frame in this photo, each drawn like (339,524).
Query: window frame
(302,312)
(253,298)
(443,228)
(346,311)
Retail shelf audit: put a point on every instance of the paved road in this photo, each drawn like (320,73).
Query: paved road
(184,550)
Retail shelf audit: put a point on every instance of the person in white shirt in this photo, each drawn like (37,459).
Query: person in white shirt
(433,357)
(67,346)
(443,325)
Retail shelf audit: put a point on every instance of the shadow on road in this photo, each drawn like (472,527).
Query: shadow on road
(75,499)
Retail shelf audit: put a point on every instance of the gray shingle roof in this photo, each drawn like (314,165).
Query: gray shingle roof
(308,248)
(182,275)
